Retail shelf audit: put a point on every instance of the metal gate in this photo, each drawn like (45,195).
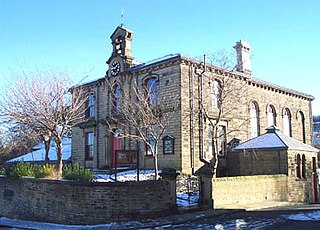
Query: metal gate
(188,191)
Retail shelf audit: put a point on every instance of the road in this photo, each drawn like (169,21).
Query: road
(284,217)
(274,218)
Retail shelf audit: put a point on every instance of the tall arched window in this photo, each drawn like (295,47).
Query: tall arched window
(298,166)
(215,94)
(89,113)
(287,122)
(271,115)
(152,90)
(303,126)
(254,119)
(116,98)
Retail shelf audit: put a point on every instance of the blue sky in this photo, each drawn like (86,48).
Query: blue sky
(74,35)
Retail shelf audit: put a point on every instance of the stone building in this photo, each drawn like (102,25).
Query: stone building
(217,108)
(276,153)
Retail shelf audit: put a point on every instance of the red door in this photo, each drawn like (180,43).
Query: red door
(115,145)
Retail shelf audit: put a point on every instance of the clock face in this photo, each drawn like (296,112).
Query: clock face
(115,68)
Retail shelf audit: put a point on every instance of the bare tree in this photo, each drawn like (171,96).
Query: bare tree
(15,142)
(226,93)
(142,116)
(41,101)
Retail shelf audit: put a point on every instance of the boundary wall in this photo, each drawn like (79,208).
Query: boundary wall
(72,202)
(237,192)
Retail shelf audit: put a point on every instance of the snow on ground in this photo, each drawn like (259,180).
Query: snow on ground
(187,200)
(130,175)
(310,216)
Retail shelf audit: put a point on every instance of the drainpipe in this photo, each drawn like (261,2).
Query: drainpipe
(97,126)
(200,100)
(191,103)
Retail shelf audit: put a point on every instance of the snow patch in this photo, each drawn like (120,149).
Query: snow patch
(130,175)
(309,216)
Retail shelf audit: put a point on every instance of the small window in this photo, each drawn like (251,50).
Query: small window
(89,146)
(303,172)
(116,99)
(152,91)
(90,106)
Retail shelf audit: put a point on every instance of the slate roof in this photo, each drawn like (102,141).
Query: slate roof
(154,62)
(274,139)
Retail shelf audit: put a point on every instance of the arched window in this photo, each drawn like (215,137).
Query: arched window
(302,127)
(271,115)
(215,94)
(90,106)
(303,166)
(287,122)
(298,166)
(116,98)
(152,90)
(254,119)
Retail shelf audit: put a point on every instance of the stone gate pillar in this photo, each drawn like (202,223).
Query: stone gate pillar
(170,175)
(206,177)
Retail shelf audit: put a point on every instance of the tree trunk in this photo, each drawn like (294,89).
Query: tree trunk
(59,158)
(216,152)
(155,161)
(47,148)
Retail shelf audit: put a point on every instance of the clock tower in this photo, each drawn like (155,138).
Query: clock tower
(121,57)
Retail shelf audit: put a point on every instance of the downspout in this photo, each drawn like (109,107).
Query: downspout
(97,126)
(311,123)
(191,103)
(200,100)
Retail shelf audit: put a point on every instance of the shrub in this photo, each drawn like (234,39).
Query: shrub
(45,171)
(77,173)
(2,171)
(20,169)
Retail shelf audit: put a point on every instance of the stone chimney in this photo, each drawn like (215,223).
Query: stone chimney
(243,57)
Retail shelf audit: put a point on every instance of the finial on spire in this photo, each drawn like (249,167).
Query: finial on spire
(122,18)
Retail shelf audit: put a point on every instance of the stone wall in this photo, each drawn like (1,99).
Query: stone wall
(237,192)
(68,202)
(245,163)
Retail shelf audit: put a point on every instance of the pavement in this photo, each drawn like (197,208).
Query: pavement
(183,216)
